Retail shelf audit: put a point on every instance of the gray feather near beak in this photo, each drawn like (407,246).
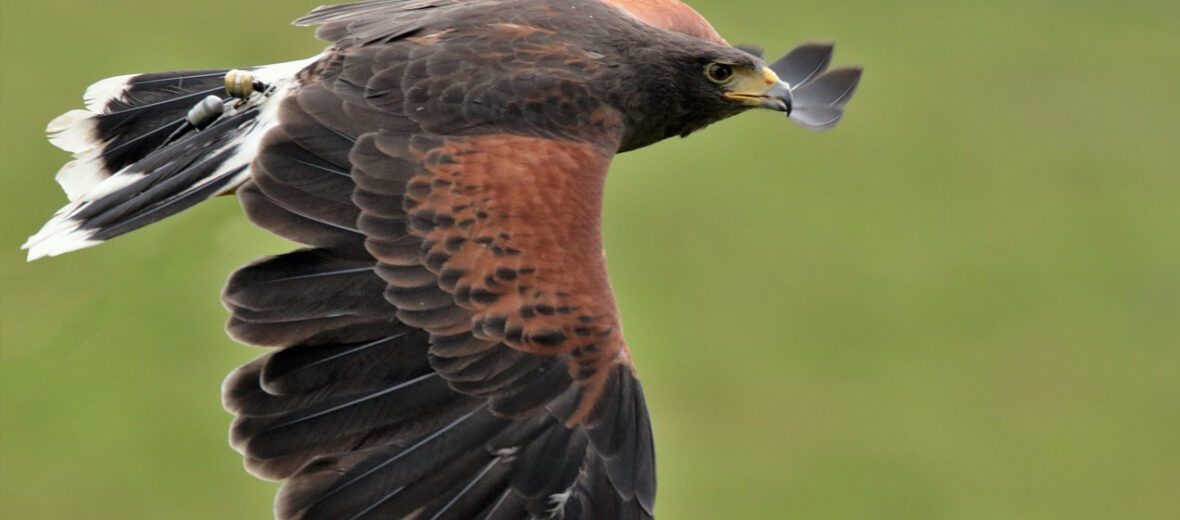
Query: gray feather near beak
(818,95)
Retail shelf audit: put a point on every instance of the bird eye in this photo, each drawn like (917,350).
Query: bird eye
(719,73)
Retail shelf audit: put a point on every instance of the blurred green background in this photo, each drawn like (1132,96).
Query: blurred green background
(964,303)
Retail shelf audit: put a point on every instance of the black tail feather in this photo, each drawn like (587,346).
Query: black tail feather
(149,109)
(139,159)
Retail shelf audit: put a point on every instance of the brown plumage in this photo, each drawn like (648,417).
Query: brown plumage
(448,345)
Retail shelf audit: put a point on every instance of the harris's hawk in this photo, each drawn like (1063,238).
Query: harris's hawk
(446,345)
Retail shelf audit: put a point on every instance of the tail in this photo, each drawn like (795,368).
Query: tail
(149,146)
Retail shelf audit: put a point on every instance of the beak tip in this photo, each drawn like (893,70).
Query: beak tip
(779,98)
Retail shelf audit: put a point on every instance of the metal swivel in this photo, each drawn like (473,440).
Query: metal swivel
(241,84)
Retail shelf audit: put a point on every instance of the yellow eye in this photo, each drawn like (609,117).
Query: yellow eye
(719,73)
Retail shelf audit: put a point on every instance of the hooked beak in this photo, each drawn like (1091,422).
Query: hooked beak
(766,92)
(778,98)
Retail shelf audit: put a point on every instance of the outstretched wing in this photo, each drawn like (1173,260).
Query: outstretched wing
(448,346)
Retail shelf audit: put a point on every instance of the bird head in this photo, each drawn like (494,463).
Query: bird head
(798,84)
(752,87)
(705,83)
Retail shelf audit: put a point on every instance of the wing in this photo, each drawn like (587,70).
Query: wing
(448,346)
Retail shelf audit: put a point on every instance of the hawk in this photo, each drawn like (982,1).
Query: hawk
(446,344)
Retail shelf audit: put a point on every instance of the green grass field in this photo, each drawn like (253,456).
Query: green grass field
(963,304)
